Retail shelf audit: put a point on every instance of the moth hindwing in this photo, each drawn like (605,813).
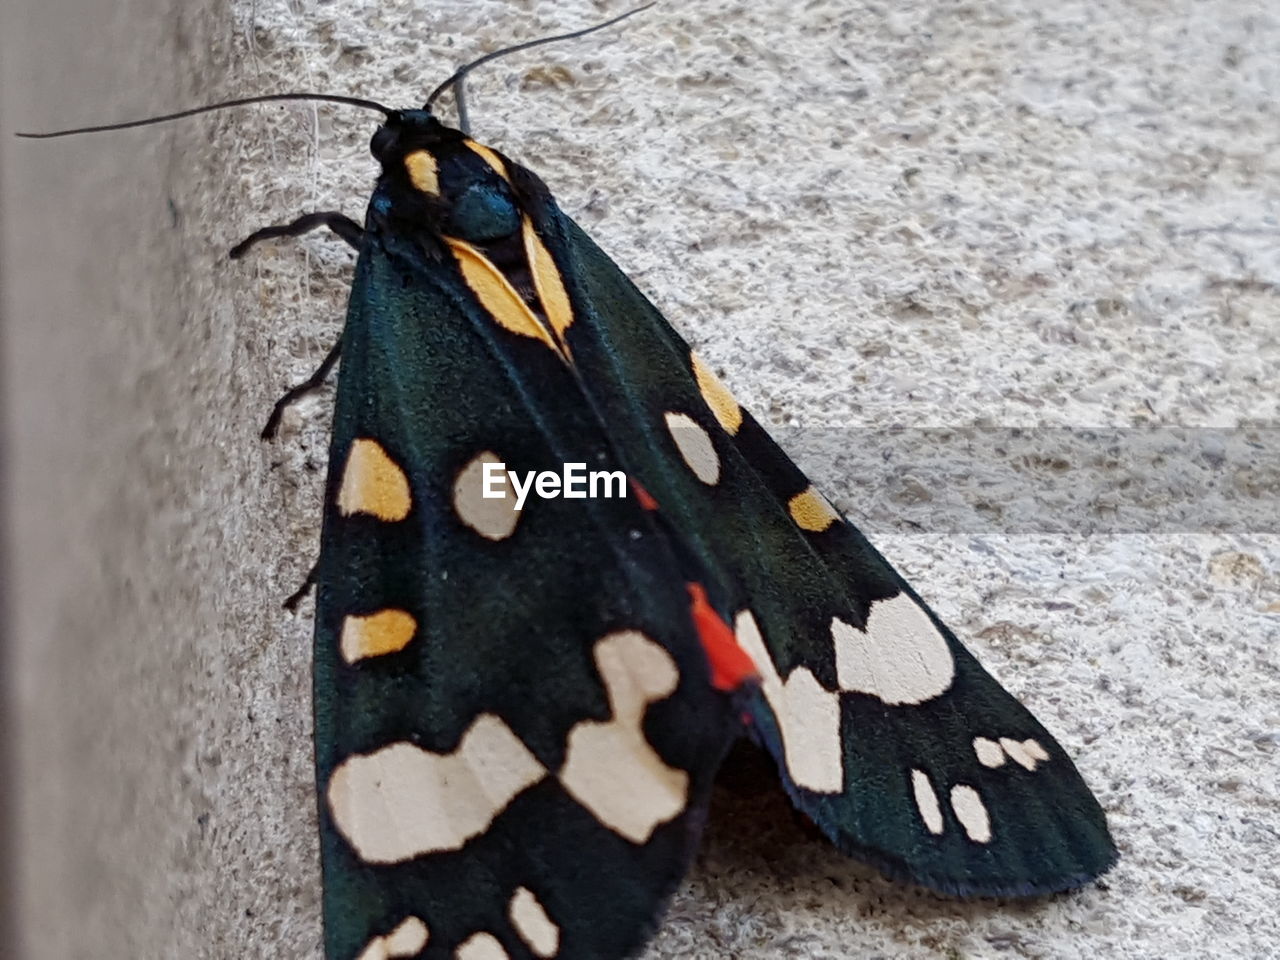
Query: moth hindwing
(519,713)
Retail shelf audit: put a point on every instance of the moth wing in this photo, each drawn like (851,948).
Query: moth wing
(887,732)
(516,729)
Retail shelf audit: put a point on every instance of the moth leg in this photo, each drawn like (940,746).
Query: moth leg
(300,390)
(291,602)
(339,223)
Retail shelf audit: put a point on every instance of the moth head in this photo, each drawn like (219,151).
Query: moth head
(406,130)
(440,174)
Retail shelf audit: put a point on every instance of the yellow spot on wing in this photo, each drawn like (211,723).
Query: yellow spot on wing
(547,279)
(424,173)
(373,483)
(387,631)
(811,511)
(722,403)
(489,157)
(497,296)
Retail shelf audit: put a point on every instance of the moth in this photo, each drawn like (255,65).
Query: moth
(519,714)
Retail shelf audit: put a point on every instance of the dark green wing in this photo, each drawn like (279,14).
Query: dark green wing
(515,724)
(887,731)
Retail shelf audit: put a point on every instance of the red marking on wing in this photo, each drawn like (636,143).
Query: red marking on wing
(731,666)
(646,500)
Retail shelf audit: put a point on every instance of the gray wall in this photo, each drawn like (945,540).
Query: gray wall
(921,213)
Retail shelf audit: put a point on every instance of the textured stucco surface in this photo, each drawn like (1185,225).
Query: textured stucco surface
(925,214)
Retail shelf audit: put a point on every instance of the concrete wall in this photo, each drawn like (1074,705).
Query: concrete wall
(917,213)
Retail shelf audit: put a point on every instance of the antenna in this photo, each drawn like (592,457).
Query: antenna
(455,81)
(461,73)
(224,105)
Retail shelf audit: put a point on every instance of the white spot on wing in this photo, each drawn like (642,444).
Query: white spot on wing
(406,940)
(989,752)
(695,447)
(609,767)
(1034,749)
(492,517)
(808,715)
(926,801)
(532,923)
(901,657)
(1018,753)
(402,801)
(971,812)
(481,946)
